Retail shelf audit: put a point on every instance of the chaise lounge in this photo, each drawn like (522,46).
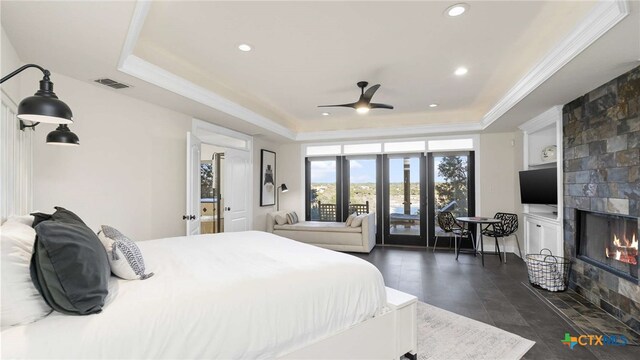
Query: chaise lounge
(329,235)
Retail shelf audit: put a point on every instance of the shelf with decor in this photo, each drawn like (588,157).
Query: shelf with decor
(542,141)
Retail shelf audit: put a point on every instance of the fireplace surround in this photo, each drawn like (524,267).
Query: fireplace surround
(608,241)
(601,175)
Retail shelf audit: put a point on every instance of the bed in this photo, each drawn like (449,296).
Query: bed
(250,295)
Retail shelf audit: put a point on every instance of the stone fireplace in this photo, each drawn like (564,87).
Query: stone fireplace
(609,242)
(601,143)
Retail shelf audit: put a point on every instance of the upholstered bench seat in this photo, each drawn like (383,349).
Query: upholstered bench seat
(329,235)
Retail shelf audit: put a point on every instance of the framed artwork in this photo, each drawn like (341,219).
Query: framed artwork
(267,178)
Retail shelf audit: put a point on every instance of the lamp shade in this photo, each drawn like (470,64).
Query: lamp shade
(45,107)
(284,188)
(63,136)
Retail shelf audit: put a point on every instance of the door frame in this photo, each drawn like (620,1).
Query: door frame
(409,240)
(226,138)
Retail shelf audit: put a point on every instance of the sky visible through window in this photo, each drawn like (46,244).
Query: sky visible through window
(364,171)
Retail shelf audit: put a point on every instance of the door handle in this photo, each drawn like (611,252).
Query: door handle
(192,217)
(538,225)
(184,217)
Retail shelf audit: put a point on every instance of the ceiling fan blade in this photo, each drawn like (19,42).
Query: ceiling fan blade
(370,91)
(352,105)
(380,106)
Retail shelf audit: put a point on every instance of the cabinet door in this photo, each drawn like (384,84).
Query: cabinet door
(550,238)
(534,236)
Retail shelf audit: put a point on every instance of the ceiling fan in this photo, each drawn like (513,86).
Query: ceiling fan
(364,104)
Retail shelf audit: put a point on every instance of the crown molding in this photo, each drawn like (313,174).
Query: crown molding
(604,16)
(600,19)
(549,117)
(387,132)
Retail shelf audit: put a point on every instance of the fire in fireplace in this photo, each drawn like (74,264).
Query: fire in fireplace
(609,241)
(624,251)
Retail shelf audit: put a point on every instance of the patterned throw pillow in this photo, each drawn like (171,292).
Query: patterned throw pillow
(350,219)
(125,257)
(292,218)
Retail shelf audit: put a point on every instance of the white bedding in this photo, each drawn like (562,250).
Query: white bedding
(247,295)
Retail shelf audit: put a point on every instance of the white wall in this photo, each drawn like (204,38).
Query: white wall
(500,154)
(129,170)
(290,172)
(260,212)
(9,61)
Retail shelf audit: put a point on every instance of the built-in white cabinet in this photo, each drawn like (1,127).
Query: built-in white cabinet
(542,233)
(543,223)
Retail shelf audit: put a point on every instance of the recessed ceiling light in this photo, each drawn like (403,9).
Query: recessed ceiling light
(326,114)
(461,71)
(433,105)
(244,47)
(457,9)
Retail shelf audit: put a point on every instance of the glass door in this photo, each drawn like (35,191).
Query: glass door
(322,189)
(404,199)
(451,186)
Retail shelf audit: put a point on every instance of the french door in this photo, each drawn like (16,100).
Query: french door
(404,198)
(451,180)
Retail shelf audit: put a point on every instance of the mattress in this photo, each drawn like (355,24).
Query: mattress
(250,295)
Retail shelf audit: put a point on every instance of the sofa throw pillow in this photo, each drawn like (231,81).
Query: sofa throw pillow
(357,221)
(69,266)
(21,301)
(124,255)
(281,219)
(350,219)
(292,218)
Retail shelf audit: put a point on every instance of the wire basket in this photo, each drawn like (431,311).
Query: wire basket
(547,271)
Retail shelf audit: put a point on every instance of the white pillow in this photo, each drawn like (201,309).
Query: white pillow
(23,219)
(21,301)
(357,221)
(350,219)
(281,219)
(124,255)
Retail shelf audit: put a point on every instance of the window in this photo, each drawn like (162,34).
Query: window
(322,189)
(324,150)
(450,144)
(362,184)
(404,146)
(354,149)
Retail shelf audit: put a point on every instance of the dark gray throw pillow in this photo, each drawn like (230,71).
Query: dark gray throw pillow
(69,266)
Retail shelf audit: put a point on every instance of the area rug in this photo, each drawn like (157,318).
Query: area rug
(448,336)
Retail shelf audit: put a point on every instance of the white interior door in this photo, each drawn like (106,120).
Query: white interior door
(192,214)
(237,190)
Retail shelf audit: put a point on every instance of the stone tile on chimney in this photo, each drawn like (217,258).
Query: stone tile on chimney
(618,206)
(629,289)
(633,140)
(598,204)
(597,147)
(629,157)
(617,143)
(581,151)
(634,174)
(628,125)
(618,174)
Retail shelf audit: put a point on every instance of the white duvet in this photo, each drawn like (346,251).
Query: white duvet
(247,295)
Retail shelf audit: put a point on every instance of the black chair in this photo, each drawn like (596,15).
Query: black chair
(447,222)
(504,229)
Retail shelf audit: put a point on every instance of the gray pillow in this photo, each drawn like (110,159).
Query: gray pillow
(69,266)
(292,218)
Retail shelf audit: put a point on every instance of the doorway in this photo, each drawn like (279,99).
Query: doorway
(404,192)
(219,180)
(211,189)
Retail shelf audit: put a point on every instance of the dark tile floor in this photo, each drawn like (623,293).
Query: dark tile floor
(496,294)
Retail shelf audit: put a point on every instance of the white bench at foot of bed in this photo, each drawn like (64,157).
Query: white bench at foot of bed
(388,336)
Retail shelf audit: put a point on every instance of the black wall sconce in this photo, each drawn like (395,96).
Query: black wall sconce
(45,107)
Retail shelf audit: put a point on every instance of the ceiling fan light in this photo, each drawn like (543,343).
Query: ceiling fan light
(362,109)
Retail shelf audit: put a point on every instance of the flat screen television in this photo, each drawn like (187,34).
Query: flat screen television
(539,186)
